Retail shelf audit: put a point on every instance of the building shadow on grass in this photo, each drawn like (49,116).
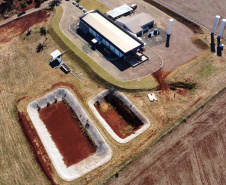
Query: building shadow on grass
(54,64)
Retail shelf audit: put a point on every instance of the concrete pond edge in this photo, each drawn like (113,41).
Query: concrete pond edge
(103,153)
(128,103)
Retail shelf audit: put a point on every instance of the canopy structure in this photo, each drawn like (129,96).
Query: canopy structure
(119,11)
(96,40)
(56,54)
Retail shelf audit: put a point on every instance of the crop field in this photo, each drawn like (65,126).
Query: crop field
(25,75)
(202,11)
(194,153)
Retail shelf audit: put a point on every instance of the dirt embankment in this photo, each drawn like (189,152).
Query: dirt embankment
(59,84)
(160,77)
(19,26)
(32,137)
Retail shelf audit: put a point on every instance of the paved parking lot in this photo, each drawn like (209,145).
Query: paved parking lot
(68,26)
(155,40)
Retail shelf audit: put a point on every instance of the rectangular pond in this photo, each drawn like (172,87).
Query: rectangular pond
(120,117)
(72,141)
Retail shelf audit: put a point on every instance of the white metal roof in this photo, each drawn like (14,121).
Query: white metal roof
(119,11)
(56,54)
(111,32)
(152,97)
(135,22)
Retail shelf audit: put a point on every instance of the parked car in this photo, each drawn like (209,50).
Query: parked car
(77,5)
(84,10)
(80,7)
(74,3)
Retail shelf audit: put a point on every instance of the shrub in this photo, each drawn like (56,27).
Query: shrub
(23,5)
(43,31)
(117,174)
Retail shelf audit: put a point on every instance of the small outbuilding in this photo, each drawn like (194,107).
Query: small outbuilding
(57,61)
(119,11)
(137,24)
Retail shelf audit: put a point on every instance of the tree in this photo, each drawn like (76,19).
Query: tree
(38,1)
(43,31)
(23,5)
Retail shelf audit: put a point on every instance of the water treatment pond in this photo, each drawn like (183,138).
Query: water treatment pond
(118,116)
(67,132)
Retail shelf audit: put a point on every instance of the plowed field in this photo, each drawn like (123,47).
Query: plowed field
(195,153)
(201,11)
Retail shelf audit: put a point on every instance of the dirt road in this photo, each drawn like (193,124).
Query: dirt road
(193,154)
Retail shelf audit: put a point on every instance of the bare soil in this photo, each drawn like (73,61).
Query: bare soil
(160,78)
(67,132)
(193,154)
(122,121)
(19,26)
(31,134)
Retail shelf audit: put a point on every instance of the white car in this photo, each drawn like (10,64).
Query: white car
(84,10)
(74,3)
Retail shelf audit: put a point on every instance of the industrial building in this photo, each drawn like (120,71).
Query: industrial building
(137,24)
(108,33)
